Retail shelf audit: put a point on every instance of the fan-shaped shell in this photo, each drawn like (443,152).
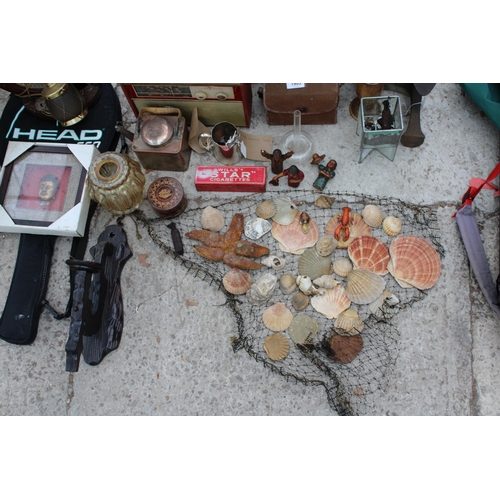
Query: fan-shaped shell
(349,322)
(266,209)
(314,265)
(286,210)
(292,238)
(372,215)
(368,252)
(414,262)
(276,346)
(237,281)
(332,302)
(326,245)
(288,283)
(326,281)
(392,225)
(303,329)
(357,227)
(363,286)
(385,306)
(300,301)
(256,228)
(342,266)
(212,219)
(277,317)
(345,348)
(261,291)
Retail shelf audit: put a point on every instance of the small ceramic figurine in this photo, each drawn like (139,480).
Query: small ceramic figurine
(316,158)
(295,177)
(277,159)
(47,188)
(325,174)
(386,119)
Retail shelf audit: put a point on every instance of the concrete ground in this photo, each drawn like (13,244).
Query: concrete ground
(175,357)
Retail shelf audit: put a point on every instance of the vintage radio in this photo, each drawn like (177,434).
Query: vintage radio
(216,102)
(161,139)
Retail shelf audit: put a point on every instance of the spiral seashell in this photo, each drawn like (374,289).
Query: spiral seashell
(288,283)
(286,210)
(357,227)
(326,281)
(385,306)
(312,264)
(372,215)
(266,209)
(414,262)
(332,302)
(349,322)
(274,262)
(326,245)
(342,266)
(237,281)
(300,301)
(303,329)
(212,219)
(277,317)
(392,225)
(305,286)
(323,201)
(363,286)
(344,349)
(292,238)
(261,291)
(368,252)
(276,346)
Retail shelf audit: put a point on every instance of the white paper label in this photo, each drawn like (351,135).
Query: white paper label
(295,85)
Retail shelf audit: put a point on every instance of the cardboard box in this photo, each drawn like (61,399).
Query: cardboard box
(231,179)
(43,188)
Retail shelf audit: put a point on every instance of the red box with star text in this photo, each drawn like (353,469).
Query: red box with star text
(231,179)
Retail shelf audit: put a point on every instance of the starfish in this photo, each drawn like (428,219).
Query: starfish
(228,247)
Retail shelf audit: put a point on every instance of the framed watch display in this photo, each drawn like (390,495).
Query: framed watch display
(43,188)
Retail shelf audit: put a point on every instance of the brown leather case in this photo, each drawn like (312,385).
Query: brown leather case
(317,102)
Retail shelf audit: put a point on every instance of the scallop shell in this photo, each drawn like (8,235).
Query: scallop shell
(323,201)
(332,302)
(292,239)
(392,225)
(326,245)
(357,227)
(349,322)
(237,281)
(345,348)
(300,301)
(414,262)
(363,286)
(261,291)
(312,264)
(212,219)
(342,266)
(288,283)
(277,317)
(303,329)
(368,252)
(276,346)
(266,209)
(274,262)
(385,306)
(256,228)
(286,210)
(326,281)
(372,215)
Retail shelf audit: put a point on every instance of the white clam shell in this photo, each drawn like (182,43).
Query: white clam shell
(392,225)
(288,283)
(266,209)
(286,210)
(342,266)
(372,215)
(256,228)
(212,219)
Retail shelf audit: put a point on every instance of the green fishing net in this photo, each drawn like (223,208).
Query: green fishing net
(350,387)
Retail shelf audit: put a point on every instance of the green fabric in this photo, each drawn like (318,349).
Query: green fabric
(487,97)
